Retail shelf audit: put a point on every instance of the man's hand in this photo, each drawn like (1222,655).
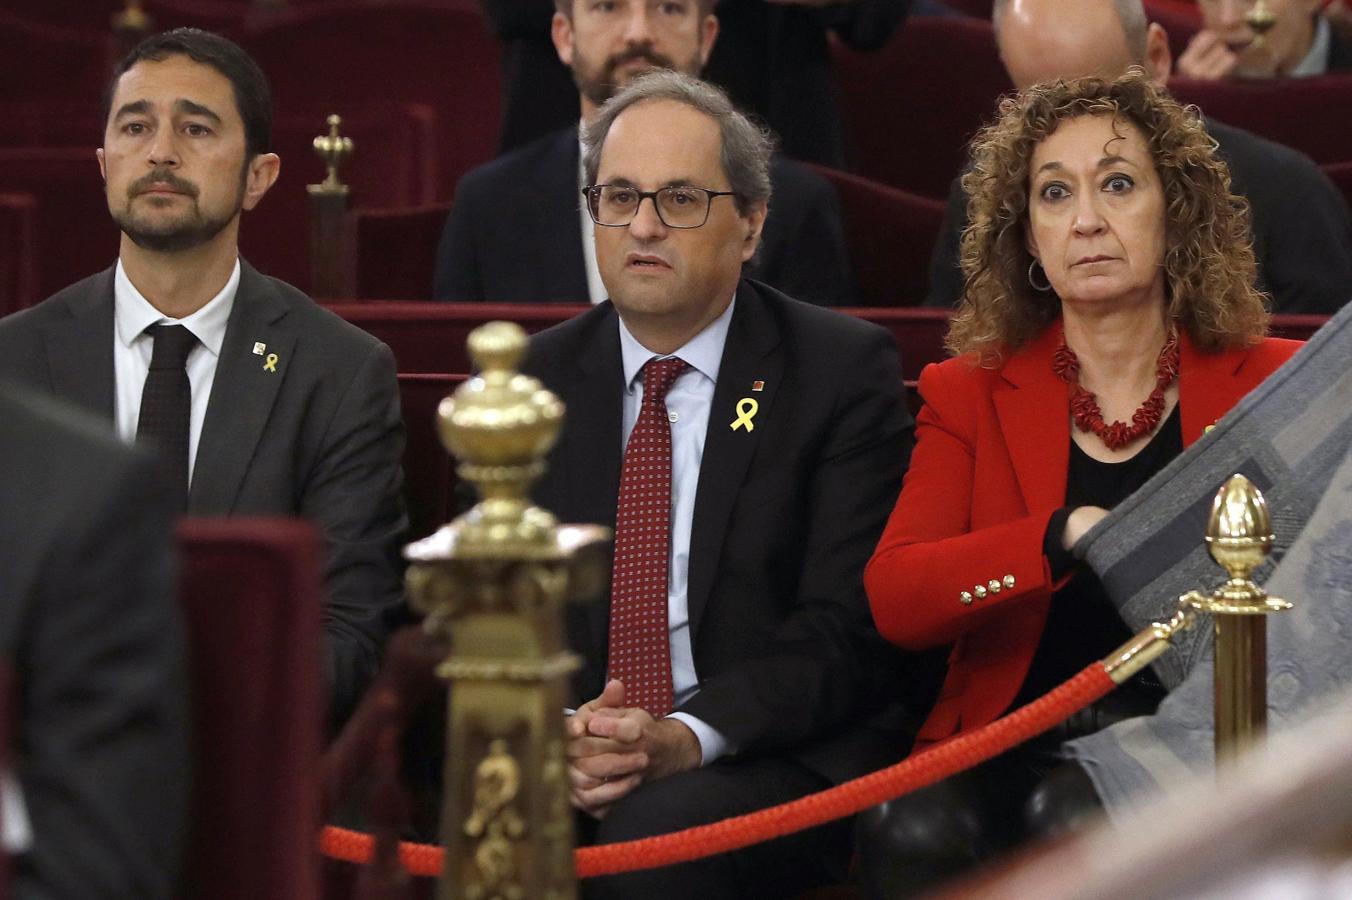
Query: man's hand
(612,750)
(1207,57)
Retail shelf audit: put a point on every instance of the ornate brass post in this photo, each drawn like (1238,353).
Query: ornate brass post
(493,583)
(328,203)
(130,26)
(1239,535)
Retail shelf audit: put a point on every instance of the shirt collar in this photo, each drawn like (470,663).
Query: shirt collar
(1316,61)
(703,352)
(134,314)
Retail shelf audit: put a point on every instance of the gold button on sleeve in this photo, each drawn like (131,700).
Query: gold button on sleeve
(980,592)
(994,586)
(1009,581)
(966,598)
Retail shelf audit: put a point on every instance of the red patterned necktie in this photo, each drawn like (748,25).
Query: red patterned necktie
(640,646)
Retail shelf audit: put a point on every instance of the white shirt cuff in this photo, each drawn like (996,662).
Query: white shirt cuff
(712,744)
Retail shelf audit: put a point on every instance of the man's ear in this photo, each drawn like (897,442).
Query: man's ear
(260,174)
(755,223)
(103,164)
(708,33)
(1159,60)
(561,30)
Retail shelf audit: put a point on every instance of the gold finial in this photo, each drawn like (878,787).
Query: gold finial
(1261,19)
(334,149)
(1239,537)
(132,20)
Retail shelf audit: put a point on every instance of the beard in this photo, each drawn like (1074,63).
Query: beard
(160,234)
(599,84)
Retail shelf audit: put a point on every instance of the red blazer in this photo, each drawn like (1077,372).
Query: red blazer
(989,469)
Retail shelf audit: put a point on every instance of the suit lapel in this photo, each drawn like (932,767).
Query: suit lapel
(750,354)
(597,413)
(80,352)
(1032,407)
(1207,387)
(242,394)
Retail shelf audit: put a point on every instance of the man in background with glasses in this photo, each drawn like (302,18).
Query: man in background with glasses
(517,232)
(745,447)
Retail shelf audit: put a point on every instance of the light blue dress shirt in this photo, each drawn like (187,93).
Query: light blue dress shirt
(688,404)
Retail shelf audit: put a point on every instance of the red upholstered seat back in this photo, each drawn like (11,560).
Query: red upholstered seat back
(395,250)
(890,234)
(252,597)
(912,106)
(383,51)
(73,234)
(18,249)
(51,60)
(429,474)
(1309,114)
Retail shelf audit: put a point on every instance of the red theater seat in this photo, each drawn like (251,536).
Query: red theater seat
(1298,326)
(74,235)
(911,107)
(429,473)
(18,251)
(51,123)
(394,163)
(252,597)
(384,51)
(1309,114)
(45,61)
(395,250)
(890,234)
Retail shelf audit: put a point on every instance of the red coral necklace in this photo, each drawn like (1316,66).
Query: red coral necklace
(1084,408)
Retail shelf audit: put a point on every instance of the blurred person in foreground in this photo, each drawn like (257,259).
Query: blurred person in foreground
(1110,316)
(1301,42)
(1302,230)
(90,630)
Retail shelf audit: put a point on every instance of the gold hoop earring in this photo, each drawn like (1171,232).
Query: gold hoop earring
(1040,288)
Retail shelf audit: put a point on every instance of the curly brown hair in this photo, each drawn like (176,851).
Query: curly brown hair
(1208,264)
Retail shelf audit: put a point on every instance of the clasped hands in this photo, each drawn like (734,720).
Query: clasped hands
(612,749)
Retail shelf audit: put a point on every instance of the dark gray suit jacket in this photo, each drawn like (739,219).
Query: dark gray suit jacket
(90,627)
(320,438)
(785,518)
(515,232)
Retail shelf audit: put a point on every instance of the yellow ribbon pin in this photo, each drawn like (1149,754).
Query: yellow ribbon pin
(746,410)
(270,365)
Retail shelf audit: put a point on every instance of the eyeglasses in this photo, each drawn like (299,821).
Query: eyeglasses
(615,205)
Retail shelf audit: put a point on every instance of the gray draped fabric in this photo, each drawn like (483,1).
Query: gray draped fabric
(1291,437)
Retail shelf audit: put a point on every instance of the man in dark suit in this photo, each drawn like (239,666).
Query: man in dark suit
(89,629)
(1302,230)
(516,232)
(735,665)
(257,401)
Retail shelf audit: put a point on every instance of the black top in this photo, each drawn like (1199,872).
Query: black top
(1082,624)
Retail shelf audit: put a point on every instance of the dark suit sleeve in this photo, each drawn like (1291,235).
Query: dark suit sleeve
(945,272)
(804,254)
(102,720)
(1307,262)
(457,276)
(826,663)
(354,494)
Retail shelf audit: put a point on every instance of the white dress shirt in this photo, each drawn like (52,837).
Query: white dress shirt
(132,348)
(1316,59)
(596,288)
(688,404)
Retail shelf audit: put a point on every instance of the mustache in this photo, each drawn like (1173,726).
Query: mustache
(646,54)
(163,178)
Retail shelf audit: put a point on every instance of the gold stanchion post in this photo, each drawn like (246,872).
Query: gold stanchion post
(328,203)
(1239,536)
(493,584)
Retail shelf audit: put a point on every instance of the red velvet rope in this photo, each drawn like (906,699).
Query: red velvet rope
(846,799)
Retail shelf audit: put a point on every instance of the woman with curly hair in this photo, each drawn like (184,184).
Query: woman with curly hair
(1109,316)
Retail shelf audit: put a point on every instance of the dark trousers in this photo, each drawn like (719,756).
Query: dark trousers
(784,867)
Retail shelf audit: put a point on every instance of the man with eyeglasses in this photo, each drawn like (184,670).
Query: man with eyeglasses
(745,447)
(516,231)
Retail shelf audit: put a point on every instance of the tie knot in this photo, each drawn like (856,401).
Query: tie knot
(659,375)
(173,343)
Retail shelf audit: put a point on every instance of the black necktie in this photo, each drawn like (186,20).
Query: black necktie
(166,406)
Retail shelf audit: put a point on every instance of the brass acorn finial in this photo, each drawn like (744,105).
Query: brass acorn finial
(334,149)
(1239,537)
